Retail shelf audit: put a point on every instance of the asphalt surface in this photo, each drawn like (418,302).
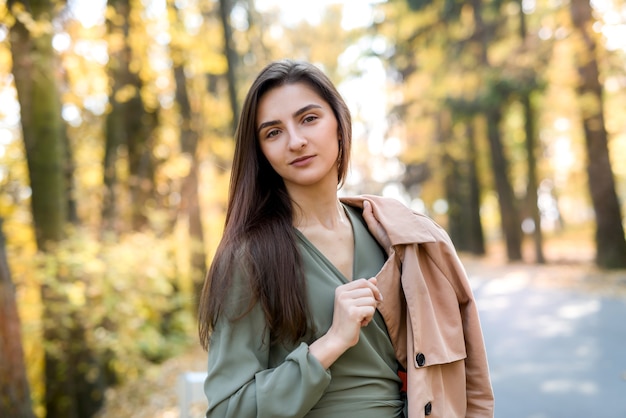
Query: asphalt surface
(554,352)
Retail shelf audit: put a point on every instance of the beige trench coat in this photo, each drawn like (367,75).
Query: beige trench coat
(431,316)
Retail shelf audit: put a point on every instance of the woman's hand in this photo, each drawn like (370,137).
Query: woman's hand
(376,229)
(354,308)
(355,305)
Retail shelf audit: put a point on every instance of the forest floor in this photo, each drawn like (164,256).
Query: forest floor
(569,267)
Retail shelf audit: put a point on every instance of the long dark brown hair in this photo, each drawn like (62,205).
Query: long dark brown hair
(258,233)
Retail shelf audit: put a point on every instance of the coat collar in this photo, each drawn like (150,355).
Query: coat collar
(403,225)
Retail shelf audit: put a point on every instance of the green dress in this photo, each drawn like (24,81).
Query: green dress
(248,378)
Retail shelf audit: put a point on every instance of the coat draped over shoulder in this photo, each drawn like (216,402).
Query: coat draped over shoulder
(431,316)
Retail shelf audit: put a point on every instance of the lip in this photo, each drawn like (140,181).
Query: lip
(300,161)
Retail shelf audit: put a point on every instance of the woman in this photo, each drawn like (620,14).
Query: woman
(302,311)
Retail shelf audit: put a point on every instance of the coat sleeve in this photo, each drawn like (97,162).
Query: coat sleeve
(480,400)
(240,382)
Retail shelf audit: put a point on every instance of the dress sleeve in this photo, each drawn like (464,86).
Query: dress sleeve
(240,382)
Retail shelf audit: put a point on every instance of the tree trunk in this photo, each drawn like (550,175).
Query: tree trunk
(33,59)
(115,129)
(70,166)
(476,238)
(452,181)
(509,216)
(114,136)
(531,151)
(35,70)
(462,188)
(141,125)
(14,389)
(610,241)
(190,200)
(42,126)
(128,124)
(531,188)
(231,57)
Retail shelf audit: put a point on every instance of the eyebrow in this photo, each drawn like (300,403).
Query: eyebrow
(295,115)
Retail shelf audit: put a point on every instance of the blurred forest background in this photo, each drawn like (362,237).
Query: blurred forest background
(502,119)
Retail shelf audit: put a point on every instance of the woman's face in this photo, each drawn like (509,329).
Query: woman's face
(298,134)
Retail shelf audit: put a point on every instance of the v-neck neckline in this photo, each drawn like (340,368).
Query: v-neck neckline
(325,259)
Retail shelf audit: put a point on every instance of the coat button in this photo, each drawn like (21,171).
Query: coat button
(428,409)
(420,359)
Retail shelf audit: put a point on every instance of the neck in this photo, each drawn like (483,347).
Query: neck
(312,210)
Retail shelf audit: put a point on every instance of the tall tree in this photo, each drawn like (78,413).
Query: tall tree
(610,241)
(14,388)
(69,392)
(190,199)
(115,129)
(476,240)
(42,125)
(532,196)
(457,184)
(463,190)
(492,106)
(531,146)
(226,7)
(129,124)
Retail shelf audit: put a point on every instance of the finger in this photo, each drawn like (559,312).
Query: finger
(370,292)
(377,293)
(374,226)
(358,284)
(370,284)
(358,298)
(365,322)
(363,314)
(368,215)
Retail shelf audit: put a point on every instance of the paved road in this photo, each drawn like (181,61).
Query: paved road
(553,353)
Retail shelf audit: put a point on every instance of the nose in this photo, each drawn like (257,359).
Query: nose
(297,141)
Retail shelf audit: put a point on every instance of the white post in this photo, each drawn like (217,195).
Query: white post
(190,390)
